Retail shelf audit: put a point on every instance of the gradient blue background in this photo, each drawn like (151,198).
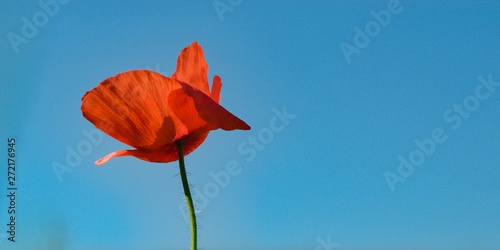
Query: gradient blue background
(319,179)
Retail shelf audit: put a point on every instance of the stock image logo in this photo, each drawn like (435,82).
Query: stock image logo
(363,36)
(247,149)
(454,116)
(31,26)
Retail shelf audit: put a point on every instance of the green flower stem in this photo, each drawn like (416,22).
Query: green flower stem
(187,193)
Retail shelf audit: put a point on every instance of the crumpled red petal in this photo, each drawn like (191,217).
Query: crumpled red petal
(191,105)
(192,68)
(216,88)
(132,108)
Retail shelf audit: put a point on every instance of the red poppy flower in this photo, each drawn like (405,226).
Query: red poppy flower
(151,112)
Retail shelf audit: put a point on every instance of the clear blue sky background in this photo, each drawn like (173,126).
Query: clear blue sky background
(320,179)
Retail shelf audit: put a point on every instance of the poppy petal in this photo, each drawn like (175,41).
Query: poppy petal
(184,109)
(164,156)
(216,88)
(131,107)
(169,154)
(112,155)
(192,68)
(193,142)
(207,109)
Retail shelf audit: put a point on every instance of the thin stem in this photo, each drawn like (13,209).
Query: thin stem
(187,193)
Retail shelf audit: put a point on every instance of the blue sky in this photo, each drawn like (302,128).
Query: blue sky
(305,180)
